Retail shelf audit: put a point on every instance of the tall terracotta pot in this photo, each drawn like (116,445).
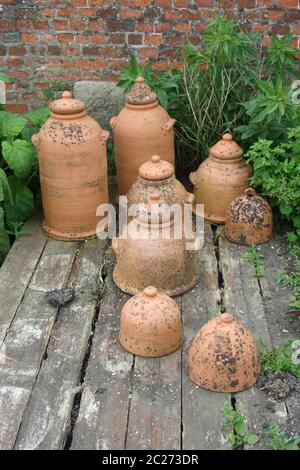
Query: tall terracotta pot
(73,170)
(142,129)
(222,177)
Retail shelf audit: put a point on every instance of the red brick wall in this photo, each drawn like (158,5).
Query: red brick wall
(74,40)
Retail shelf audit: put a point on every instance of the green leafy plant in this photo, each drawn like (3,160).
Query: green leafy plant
(291,279)
(235,424)
(54,87)
(226,84)
(164,84)
(280,441)
(280,359)
(271,112)
(255,257)
(18,172)
(276,175)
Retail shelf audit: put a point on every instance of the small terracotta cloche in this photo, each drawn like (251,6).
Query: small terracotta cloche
(158,176)
(150,324)
(249,219)
(224,356)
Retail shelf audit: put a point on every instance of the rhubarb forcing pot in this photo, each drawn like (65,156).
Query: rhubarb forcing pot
(224,356)
(222,177)
(73,170)
(149,253)
(249,219)
(142,129)
(150,324)
(157,176)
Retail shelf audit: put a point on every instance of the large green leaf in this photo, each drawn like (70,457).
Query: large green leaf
(22,204)
(5,78)
(4,187)
(240,427)
(11,124)
(39,116)
(19,155)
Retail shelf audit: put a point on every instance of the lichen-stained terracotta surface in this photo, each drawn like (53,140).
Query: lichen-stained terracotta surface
(73,170)
(249,219)
(150,258)
(150,324)
(222,177)
(142,129)
(157,176)
(224,356)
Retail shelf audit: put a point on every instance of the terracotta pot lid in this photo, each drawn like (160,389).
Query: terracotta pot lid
(67,105)
(156,169)
(140,93)
(224,356)
(226,148)
(155,211)
(150,324)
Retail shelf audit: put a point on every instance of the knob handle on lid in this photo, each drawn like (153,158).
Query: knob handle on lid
(155,158)
(150,291)
(227,136)
(225,318)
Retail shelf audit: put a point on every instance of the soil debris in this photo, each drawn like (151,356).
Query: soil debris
(278,387)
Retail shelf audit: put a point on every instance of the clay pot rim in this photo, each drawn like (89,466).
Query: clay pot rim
(141,107)
(65,117)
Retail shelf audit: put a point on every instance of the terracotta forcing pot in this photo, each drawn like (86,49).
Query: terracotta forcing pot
(249,219)
(157,176)
(149,254)
(223,176)
(150,324)
(224,356)
(142,129)
(73,170)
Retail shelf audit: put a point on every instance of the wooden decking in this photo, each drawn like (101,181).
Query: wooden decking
(66,383)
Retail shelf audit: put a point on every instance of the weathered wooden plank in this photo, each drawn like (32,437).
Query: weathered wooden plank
(46,421)
(282,327)
(201,420)
(102,420)
(27,338)
(242,297)
(17,269)
(155,411)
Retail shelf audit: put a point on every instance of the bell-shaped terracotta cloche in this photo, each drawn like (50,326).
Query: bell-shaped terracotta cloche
(249,219)
(223,176)
(151,252)
(142,129)
(157,176)
(73,170)
(223,356)
(150,324)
